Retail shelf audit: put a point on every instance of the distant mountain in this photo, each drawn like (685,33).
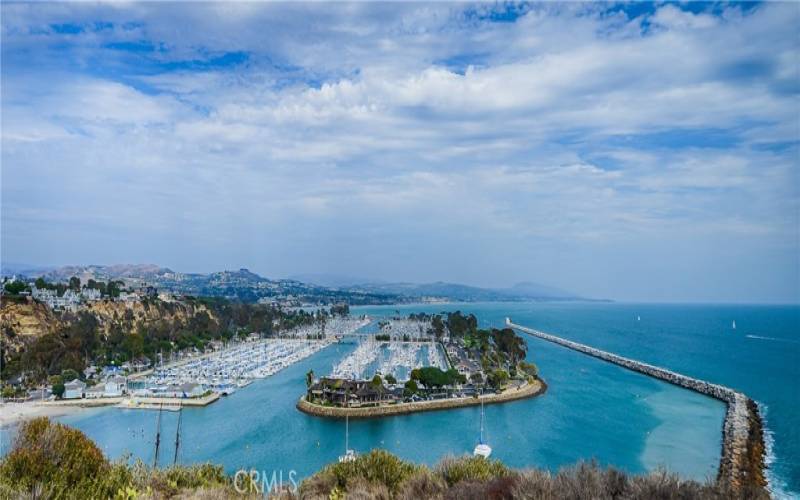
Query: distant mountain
(534,290)
(99,272)
(332,280)
(12,268)
(241,284)
(248,286)
(467,293)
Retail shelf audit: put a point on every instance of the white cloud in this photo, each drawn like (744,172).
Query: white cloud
(362,117)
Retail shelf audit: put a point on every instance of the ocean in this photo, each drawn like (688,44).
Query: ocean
(592,410)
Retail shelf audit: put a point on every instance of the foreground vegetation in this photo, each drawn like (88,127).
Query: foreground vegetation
(50,460)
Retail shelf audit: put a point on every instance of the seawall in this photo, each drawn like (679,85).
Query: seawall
(527,391)
(742,461)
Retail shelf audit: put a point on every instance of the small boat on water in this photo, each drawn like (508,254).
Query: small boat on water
(349,455)
(734,324)
(482,449)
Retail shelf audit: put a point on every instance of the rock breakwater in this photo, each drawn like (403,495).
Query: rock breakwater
(742,459)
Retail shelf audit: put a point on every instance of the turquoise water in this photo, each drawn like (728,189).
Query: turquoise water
(591,410)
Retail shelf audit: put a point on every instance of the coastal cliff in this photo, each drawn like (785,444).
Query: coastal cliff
(23,320)
(742,462)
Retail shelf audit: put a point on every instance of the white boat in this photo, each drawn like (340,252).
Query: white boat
(734,324)
(638,318)
(349,455)
(482,449)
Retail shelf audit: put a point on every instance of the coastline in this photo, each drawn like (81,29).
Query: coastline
(529,390)
(12,414)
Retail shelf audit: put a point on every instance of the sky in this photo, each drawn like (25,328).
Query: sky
(641,152)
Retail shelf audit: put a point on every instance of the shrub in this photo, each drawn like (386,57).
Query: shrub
(52,457)
(377,466)
(454,470)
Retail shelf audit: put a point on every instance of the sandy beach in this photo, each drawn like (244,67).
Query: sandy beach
(14,413)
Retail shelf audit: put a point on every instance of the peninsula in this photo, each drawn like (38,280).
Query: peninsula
(423,363)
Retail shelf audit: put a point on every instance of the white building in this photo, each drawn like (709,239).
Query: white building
(115,387)
(95,392)
(89,294)
(74,389)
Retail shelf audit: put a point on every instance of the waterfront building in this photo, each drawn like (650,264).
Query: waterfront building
(351,393)
(95,392)
(74,389)
(115,386)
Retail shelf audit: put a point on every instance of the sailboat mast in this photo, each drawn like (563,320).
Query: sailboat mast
(158,436)
(178,435)
(481,441)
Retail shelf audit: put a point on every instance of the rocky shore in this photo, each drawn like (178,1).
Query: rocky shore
(743,450)
(527,390)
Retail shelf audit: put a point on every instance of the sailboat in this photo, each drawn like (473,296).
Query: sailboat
(482,449)
(734,324)
(349,455)
(638,318)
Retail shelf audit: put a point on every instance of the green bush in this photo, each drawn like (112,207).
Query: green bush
(454,470)
(51,460)
(377,466)
(54,457)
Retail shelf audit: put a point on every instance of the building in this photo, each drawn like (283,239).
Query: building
(128,297)
(191,390)
(69,301)
(351,393)
(90,294)
(74,389)
(115,387)
(95,392)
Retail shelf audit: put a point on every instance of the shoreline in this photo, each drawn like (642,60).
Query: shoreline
(529,390)
(13,414)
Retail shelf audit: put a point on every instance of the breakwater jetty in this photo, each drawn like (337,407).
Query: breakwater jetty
(742,461)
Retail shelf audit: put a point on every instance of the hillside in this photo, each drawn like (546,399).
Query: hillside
(465,293)
(39,342)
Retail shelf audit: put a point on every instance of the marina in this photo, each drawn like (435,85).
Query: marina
(235,366)
(397,358)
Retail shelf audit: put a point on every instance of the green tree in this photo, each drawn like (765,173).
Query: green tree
(309,378)
(529,369)
(41,283)
(376,381)
(69,374)
(411,387)
(58,390)
(75,284)
(390,379)
(15,287)
(498,378)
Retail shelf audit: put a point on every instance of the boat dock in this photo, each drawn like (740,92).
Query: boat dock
(742,460)
(171,404)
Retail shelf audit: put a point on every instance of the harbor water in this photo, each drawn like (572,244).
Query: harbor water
(592,409)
